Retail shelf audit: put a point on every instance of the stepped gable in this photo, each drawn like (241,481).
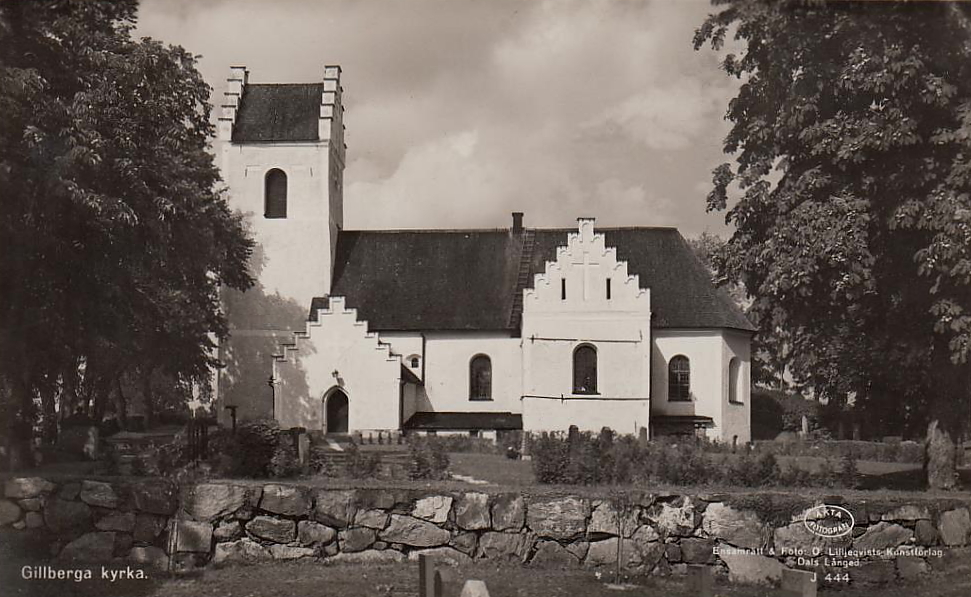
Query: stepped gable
(413,280)
(682,295)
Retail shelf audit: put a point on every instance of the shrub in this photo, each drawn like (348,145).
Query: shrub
(550,459)
(827,475)
(363,465)
(285,461)
(794,476)
(767,471)
(467,443)
(849,473)
(253,448)
(429,460)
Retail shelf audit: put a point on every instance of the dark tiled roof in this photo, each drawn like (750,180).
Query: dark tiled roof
(466,280)
(682,295)
(461,421)
(279,112)
(428,280)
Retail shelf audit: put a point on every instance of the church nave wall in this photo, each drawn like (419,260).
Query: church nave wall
(447,371)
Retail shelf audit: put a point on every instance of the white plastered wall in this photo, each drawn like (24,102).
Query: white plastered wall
(292,257)
(709,352)
(449,355)
(339,352)
(737,417)
(618,328)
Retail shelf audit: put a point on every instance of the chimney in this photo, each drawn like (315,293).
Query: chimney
(517,222)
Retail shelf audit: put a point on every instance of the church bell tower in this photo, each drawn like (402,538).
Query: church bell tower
(281,151)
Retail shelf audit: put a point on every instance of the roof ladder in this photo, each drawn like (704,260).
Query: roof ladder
(522,280)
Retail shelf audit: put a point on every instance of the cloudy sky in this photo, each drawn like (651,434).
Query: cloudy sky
(459,112)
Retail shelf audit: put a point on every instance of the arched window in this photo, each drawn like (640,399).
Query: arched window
(275,194)
(733,369)
(480,378)
(679,378)
(414,361)
(585,370)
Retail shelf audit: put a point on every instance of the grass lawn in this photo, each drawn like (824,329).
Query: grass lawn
(952,578)
(401,580)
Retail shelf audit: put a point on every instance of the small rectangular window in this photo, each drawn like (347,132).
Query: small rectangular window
(608,289)
(563,289)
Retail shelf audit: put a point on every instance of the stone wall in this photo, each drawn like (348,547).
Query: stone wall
(749,537)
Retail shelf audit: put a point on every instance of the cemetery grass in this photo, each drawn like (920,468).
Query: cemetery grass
(878,478)
(401,580)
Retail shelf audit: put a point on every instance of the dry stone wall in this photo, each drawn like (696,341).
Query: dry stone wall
(750,538)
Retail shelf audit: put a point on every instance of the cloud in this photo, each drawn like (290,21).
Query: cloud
(458,112)
(664,117)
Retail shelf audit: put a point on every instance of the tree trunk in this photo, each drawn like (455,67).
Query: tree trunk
(148,398)
(121,404)
(49,421)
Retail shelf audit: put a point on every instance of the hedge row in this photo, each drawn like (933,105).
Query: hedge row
(603,459)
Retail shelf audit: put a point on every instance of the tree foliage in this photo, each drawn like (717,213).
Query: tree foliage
(114,235)
(851,140)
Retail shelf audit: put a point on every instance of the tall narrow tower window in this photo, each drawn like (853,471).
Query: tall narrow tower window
(275,194)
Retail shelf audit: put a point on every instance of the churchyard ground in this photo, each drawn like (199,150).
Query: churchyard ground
(286,579)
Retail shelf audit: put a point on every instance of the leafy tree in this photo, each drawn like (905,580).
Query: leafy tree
(114,235)
(852,147)
(771,350)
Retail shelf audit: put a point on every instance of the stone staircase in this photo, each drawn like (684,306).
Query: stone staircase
(394,460)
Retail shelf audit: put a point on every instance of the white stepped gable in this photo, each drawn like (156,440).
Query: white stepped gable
(288,350)
(585,263)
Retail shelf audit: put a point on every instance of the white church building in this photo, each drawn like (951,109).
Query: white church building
(443,331)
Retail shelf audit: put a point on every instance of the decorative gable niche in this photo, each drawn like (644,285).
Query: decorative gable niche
(578,279)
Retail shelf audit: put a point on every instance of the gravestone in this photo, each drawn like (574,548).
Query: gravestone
(701,583)
(429,579)
(474,588)
(798,583)
(940,458)
(524,453)
(303,448)
(642,436)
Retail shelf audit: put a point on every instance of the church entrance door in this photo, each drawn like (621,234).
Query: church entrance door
(335,412)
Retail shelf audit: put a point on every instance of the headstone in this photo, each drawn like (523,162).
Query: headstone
(805,426)
(701,583)
(303,448)
(642,436)
(798,583)
(429,579)
(856,431)
(474,588)
(940,458)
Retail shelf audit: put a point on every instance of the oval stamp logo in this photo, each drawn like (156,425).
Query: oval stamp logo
(828,521)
